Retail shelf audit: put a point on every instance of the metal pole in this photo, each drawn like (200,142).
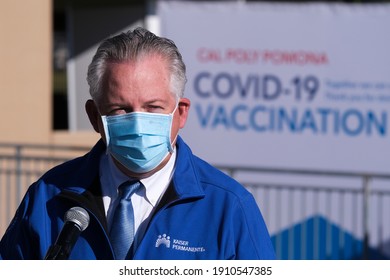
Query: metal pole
(366,207)
(18,173)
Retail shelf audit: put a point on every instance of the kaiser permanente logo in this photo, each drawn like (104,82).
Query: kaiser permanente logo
(165,241)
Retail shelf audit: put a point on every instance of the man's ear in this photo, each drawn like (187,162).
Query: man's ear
(93,114)
(183,107)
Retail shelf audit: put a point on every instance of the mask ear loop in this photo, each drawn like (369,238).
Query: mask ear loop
(106,133)
(171,147)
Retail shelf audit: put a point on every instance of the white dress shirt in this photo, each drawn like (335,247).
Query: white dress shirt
(144,200)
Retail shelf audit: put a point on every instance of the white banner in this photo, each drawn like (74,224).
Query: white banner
(285,85)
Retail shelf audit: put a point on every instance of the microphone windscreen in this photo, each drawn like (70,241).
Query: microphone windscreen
(79,216)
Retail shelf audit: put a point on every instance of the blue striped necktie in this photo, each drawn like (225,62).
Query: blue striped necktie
(122,227)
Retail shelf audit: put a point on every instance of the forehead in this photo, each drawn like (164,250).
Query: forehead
(147,77)
(150,66)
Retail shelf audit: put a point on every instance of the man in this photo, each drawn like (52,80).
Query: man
(181,208)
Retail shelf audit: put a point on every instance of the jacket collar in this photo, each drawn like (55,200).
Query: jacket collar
(186,179)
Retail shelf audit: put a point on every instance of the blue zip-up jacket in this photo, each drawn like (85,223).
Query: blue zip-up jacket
(203,215)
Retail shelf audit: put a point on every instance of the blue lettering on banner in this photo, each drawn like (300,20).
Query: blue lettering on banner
(268,86)
(317,121)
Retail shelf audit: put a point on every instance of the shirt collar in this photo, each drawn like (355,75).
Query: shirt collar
(155,185)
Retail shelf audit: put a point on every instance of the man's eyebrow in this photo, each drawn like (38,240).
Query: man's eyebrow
(157,100)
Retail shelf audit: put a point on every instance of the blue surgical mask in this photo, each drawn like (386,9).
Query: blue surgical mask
(139,141)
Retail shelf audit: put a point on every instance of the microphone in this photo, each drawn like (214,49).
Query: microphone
(76,221)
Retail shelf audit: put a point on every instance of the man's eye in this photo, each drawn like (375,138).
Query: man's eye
(155,109)
(117,112)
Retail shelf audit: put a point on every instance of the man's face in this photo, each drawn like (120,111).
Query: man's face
(142,86)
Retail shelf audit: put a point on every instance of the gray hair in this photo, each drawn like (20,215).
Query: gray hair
(133,45)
